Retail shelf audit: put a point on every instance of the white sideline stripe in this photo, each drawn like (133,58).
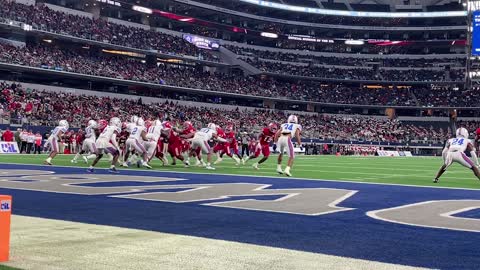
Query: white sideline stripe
(46,244)
(252,176)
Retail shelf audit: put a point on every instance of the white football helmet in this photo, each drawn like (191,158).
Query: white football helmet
(157,123)
(115,121)
(140,122)
(292,119)
(92,124)
(134,119)
(63,123)
(462,132)
(212,126)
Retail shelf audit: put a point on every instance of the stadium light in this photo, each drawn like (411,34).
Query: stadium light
(354,42)
(357,13)
(142,9)
(268,35)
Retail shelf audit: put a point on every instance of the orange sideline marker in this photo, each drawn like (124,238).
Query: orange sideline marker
(5,213)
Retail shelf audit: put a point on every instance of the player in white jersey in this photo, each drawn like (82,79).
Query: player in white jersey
(454,151)
(153,135)
(129,128)
(283,139)
(107,143)
(56,135)
(89,149)
(135,141)
(200,141)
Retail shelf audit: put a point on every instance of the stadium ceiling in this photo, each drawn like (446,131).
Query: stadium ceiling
(400,8)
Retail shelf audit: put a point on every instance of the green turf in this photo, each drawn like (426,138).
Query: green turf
(3,267)
(401,170)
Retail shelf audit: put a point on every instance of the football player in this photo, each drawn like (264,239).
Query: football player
(263,145)
(54,138)
(107,143)
(283,139)
(454,151)
(200,141)
(88,145)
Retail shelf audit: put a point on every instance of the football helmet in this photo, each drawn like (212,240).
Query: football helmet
(115,121)
(92,124)
(272,127)
(63,123)
(462,132)
(212,126)
(293,119)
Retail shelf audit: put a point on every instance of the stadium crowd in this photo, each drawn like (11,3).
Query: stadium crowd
(41,17)
(361,73)
(39,108)
(308,57)
(50,57)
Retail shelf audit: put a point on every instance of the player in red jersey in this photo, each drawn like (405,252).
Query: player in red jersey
(102,124)
(477,139)
(219,146)
(186,134)
(162,143)
(263,145)
(229,146)
(175,147)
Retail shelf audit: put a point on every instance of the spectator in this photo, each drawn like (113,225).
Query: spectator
(38,143)
(30,141)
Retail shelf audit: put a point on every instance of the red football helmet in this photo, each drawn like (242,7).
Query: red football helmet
(229,128)
(187,124)
(273,127)
(148,124)
(102,124)
(124,125)
(167,125)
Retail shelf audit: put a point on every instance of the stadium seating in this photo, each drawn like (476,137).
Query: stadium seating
(43,18)
(45,108)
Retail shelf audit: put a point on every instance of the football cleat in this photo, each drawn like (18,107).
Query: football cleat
(90,170)
(113,170)
(218,161)
(146,165)
(279,171)
(435,180)
(73,161)
(47,163)
(287,173)
(255,166)
(210,168)
(85,159)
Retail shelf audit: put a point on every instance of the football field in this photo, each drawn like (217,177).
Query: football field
(389,170)
(334,213)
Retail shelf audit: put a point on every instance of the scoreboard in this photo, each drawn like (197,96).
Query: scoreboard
(476,32)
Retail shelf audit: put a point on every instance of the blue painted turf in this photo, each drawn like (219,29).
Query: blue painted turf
(349,234)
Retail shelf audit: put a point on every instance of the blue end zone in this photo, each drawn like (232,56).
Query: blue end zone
(349,234)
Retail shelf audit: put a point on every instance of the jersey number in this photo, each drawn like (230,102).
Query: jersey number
(288,127)
(458,141)
(134,131)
